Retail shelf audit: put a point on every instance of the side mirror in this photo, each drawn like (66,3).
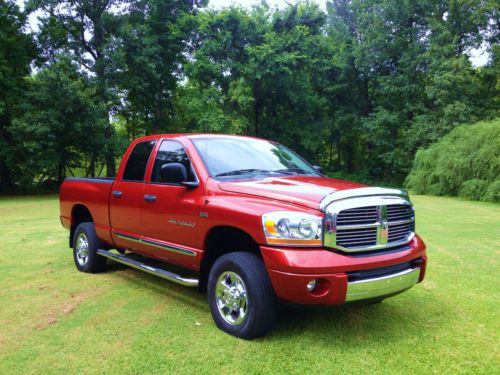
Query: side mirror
(318,169)
(190,184)
(173,173)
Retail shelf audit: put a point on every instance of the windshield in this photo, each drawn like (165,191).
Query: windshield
(232,158)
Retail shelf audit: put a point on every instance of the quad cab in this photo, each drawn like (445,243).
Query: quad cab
(247,221)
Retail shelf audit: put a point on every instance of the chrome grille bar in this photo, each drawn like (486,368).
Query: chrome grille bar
(369,223)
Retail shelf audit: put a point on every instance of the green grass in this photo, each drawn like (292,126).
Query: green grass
(54,319)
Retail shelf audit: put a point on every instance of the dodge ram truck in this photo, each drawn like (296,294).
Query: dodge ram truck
(247,221)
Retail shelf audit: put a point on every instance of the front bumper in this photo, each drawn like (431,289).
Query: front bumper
(290,269)
(382,286)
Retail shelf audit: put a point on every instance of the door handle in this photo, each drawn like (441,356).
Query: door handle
(117,194)
(150,198)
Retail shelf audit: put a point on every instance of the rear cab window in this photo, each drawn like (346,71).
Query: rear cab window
(135,169)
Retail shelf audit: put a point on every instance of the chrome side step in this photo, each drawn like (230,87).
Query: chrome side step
(167,275)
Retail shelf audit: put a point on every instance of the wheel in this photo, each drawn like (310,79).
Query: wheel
(240,295)
(85,246)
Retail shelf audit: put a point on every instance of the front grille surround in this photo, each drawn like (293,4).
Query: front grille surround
(369,223)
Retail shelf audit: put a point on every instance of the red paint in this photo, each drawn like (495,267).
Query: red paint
(237,204)
(303,190)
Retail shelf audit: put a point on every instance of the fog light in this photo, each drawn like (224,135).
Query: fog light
(311,285)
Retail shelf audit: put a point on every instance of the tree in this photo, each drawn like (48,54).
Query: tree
(58,130)
(84,30)
(261,66)
(17,50)
(153,36)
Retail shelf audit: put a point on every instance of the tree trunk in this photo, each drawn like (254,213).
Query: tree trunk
(6,182)
(5,178)
(60,171)
(339,152)
(101,90)
(256,119)
(256,107)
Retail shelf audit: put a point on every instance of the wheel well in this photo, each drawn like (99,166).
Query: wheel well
(220,241)
(79,214)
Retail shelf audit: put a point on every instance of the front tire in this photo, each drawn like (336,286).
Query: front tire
(240,295)
(85,246)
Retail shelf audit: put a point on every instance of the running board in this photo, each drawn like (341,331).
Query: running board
(149,269)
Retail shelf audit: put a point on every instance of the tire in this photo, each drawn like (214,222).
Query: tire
(239,280)
(85,246)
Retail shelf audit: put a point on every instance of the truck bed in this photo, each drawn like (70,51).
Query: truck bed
(92,193)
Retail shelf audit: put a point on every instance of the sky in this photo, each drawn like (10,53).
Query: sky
(248,3)
(478,57)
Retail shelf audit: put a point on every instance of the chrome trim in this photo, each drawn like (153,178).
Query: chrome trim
(159,245)
(382,286)
(382,223)
(383,226)
(164,274)
(231,298)
(94,180)
(82,249)
(360,192)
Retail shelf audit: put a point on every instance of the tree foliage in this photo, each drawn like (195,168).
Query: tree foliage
(16,53)
(57,132)
(465,162)
(358,88)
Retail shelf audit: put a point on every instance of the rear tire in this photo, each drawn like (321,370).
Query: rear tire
(240,295)
(85,246)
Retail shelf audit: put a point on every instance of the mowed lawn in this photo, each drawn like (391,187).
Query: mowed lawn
(54,319)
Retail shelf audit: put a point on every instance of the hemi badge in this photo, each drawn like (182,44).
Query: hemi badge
(203,214)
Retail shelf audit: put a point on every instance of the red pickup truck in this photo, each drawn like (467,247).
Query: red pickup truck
(248,221)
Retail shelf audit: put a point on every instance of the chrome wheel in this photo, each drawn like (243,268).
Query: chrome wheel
(82,249)
(231,298)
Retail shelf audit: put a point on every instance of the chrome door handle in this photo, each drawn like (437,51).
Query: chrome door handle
(117,194)
(150,198)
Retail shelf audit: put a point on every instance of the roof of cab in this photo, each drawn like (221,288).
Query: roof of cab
(194,136)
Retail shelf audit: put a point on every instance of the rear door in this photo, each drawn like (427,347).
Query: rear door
(170,217)
(127,197)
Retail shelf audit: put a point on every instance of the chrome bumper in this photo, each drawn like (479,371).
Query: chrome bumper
(382,286)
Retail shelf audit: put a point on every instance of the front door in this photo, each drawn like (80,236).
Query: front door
(127,197)
(171,211)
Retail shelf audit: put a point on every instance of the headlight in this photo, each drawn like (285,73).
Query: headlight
(292,228)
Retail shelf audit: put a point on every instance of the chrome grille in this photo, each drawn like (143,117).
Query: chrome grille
(357,237)
(400,232)
(387,223)
(399,212)
(357,216)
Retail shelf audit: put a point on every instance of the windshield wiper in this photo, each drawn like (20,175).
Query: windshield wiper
(242,171)
(291,171)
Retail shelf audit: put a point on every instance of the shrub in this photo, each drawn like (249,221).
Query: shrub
(465,162)
(473,189)
(492,194)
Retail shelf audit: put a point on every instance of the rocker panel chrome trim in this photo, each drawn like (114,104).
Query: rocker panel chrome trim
(155,244)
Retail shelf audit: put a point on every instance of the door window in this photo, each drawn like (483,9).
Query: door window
(138,161)
(171,152)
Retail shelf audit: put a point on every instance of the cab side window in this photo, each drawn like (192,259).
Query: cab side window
(171,152)
(135,169)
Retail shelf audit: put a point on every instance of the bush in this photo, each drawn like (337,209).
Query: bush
(473,189)
(465,162)
(492,194)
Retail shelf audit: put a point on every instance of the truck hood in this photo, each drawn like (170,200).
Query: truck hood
(306,191)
